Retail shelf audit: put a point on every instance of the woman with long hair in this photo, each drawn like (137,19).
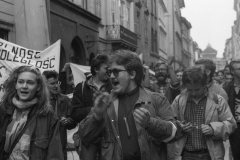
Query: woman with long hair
(29,130)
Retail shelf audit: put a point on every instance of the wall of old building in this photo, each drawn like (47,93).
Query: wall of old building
(77,28)
(7,24)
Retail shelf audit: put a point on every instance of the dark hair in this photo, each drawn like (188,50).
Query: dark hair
(227,66)
(130,61)
(50,74)
(209,64)
(194,75)
(10,91)
(159,64)
(231,64)
(220,71)
(178,70)
(97,62)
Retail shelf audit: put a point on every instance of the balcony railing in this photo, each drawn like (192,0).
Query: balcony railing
(118,32)
(113,32)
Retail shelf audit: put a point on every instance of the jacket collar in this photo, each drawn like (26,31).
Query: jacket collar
(144,97)
(210,105)
(106,85)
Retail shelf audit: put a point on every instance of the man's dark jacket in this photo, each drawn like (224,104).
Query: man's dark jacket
(82,100)
(234,138)
(82,103)
(63,104)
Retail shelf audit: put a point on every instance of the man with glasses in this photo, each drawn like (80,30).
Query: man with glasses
(232,90)
(61,105)
(131,122)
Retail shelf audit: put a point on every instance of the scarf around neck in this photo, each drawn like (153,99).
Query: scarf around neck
(24,105)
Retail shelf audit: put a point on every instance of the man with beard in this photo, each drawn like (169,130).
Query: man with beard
(83,97)
(131,122)
(209,67)
(61,105)
(170,90)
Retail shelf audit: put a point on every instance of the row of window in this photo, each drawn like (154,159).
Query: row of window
(4,34)
(95,8)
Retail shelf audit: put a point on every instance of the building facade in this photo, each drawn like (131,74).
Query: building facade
(174,31)
(7,29)
(228,50)
(153,29)
(24,22)
(187,44)
(116,30)
(211,53)
(162,29)
(76,23)
(232,45)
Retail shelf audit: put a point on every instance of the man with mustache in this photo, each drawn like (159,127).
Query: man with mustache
(169,90)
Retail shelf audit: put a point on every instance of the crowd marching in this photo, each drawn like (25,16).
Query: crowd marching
(188,114)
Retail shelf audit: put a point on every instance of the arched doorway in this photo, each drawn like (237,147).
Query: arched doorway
(79,52)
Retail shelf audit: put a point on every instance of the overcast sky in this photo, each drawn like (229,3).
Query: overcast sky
(211,21)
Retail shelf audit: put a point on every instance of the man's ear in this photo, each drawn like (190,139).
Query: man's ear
(208,72)
(132,74)
(96,70)
(232,71)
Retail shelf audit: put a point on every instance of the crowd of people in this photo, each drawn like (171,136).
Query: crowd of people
(188,114)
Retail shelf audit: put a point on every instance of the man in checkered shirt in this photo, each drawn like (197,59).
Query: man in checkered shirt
(205,117)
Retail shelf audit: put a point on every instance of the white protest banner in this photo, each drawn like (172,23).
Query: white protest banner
(78,72)
(13,55)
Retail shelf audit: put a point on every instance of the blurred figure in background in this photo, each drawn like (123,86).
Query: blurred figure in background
(163,71)
(179,74)
(220,77)
(61,105)
(232,90)
(83,101)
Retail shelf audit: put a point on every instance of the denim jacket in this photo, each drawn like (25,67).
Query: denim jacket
(150,139)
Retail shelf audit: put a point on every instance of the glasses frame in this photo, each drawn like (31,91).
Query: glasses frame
(115,72)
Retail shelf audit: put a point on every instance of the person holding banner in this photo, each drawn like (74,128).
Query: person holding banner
(29,129)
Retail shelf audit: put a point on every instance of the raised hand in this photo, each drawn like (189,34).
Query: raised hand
(101,103)
(142,116)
